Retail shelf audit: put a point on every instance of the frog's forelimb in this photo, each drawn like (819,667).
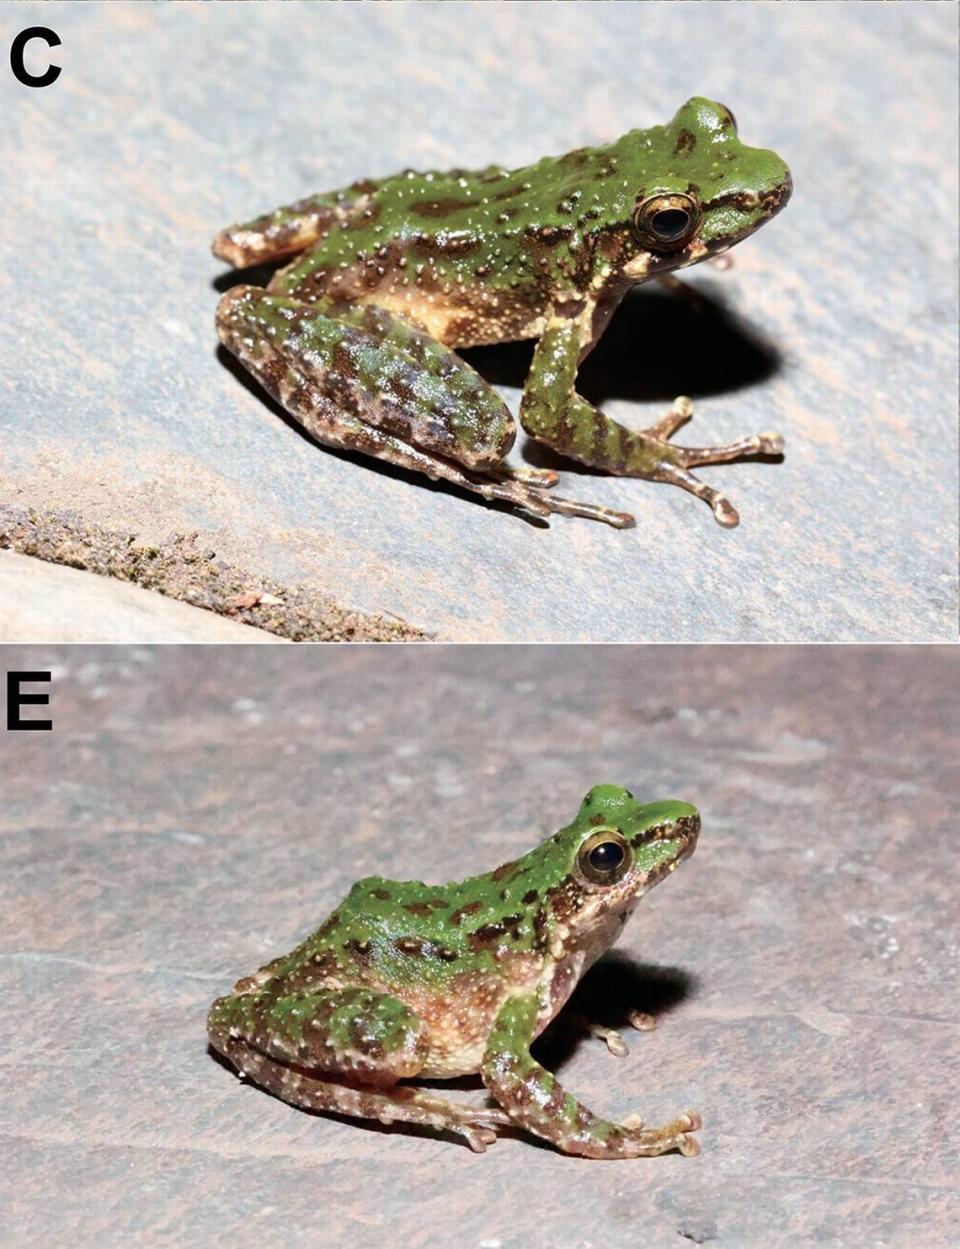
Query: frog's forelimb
(552,412)
(536,1099)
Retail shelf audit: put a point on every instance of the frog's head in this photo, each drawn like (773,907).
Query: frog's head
(614,851)
(697,190)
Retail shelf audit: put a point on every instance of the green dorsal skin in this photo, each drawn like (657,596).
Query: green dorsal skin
(407,979)
(355,336)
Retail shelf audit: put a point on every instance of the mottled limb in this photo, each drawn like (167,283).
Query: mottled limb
(397,1104)
(537,1101)
(362,1042)
(554,413)
(365,380)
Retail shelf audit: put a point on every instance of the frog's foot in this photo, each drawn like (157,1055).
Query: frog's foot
(675,462)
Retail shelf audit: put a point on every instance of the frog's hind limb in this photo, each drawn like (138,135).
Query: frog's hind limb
(537,1101)
(354,380)
(341,1050)
(552,412)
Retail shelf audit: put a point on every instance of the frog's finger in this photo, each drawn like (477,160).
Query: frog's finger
(679,412)
(723,510)
(755,444)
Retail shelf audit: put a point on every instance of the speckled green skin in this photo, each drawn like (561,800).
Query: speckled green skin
(406,979)
(464,258)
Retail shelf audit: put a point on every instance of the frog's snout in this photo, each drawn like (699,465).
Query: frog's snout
(779,195)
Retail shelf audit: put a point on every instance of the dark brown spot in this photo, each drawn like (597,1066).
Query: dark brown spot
(686,142)
(448,955)
(408,945)
(364,186)
(453,244)
(529,897)
(417,908)
(509,192)
(438,207)
(505,869)
(359,949)
(570,308)
(549,236)
(471,908)
(383,894)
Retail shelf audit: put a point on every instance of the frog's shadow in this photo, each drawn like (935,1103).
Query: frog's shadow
(613,988)
(658,344)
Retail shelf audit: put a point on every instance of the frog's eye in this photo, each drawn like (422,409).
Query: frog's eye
(666,222)
(605,857)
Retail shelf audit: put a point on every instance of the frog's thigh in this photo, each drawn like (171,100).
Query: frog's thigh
(354,1031)
(373,365)
(362,1042)
(536,1100)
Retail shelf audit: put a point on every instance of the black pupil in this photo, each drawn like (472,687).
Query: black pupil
(607,856)
(670,223)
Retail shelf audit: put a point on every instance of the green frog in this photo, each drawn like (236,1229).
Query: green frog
(406,979)
(355,336)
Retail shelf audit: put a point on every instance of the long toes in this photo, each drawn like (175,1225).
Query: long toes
(543,478)
(592,511)
(488,1116)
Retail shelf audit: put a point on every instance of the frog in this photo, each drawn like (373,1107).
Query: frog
(357,335)
(408,980)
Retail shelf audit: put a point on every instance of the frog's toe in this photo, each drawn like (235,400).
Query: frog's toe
(542,478)
(478,1138)
(723,510)
(612,1039)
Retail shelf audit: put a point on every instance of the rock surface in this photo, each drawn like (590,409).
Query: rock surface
(41,602)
